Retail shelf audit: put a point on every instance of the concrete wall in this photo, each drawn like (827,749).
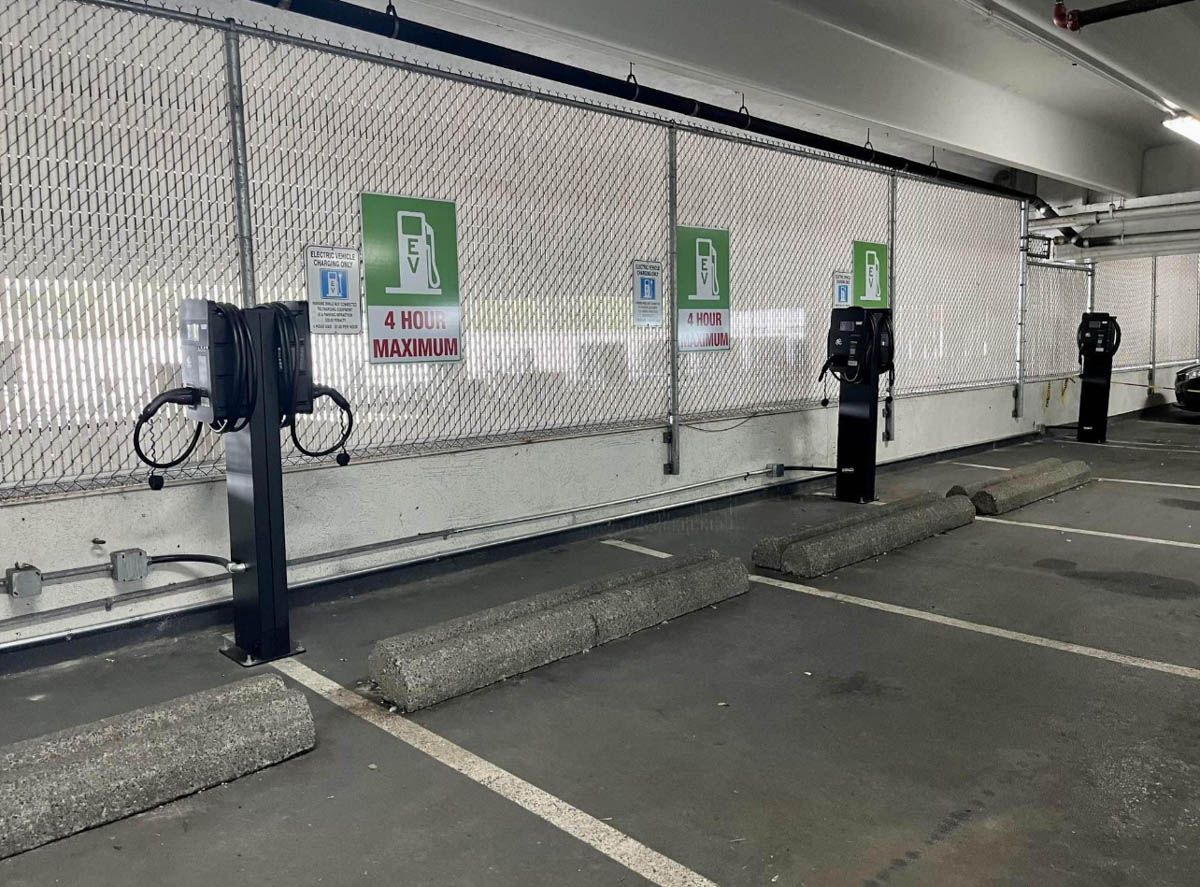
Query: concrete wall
(368,506)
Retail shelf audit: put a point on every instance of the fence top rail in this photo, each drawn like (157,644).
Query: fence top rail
(1063,266)
(583,101)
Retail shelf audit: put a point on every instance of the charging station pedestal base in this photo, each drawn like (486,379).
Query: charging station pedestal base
(254,481)
(1098,339)
(1095,384)
(858,430)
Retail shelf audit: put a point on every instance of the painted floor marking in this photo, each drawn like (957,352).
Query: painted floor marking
(1146,448)
(1035,640)
(1153,443)
(601,836)
(1148,483)
(1020,523)
(1110,480)
(629,546)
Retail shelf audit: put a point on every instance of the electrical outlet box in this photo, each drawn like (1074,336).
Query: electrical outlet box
(23,580)
(130,565)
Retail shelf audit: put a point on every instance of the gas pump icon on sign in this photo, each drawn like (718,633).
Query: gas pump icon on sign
(707,287)
(418,257)
(874,292)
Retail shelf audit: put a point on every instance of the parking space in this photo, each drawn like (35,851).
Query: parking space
(775,738)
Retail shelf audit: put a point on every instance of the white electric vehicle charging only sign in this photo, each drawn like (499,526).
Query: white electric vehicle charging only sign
(410,260)
(331,278)
(647,293)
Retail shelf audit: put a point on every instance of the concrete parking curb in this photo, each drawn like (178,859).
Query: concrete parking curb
(423,667)
(76,779)
(971,489)
(874,532)
(1016,492)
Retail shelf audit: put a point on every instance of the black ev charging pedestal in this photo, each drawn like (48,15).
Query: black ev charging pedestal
(254,481)
(860,350)
(1098,339)
(247,375)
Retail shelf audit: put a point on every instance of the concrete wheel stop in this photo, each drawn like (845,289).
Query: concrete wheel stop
(1038,481)
(56,785)
(429,665)
(867,533)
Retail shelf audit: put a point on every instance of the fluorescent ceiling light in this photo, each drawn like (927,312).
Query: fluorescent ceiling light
(1186,125)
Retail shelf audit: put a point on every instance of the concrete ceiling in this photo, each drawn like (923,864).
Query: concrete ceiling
(957,74)
(991,84)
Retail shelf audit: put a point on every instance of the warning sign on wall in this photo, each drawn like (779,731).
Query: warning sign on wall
(410,261)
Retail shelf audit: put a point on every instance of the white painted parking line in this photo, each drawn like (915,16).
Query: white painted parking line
(1151,443)
(1078,532)
(617,846)
(977,465)
(1146,448)
(640,549)
(1182,671)
(1148,483)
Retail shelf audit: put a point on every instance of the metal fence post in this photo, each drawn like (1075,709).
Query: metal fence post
(672,466)
(1153,321)
(241,173)
(1022,288)
(889,412)
(1091,287)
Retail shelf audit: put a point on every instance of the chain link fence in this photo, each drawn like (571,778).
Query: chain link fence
(117,199)
(792,222)
(1055,299)
(957,276)
(115,204)
(1125,288)
(554,203)
(1176,309)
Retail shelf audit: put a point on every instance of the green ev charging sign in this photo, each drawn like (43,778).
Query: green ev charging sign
(702,289)
(871,275)
(410,264)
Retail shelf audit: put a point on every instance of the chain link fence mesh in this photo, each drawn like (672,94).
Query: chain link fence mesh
(1055,299)
(115,204)
(1177,310)
(118,203)
(792,222)
(554,203)
(1125,288)
(957,277)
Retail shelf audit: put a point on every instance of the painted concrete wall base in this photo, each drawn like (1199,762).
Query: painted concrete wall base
(369,505)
